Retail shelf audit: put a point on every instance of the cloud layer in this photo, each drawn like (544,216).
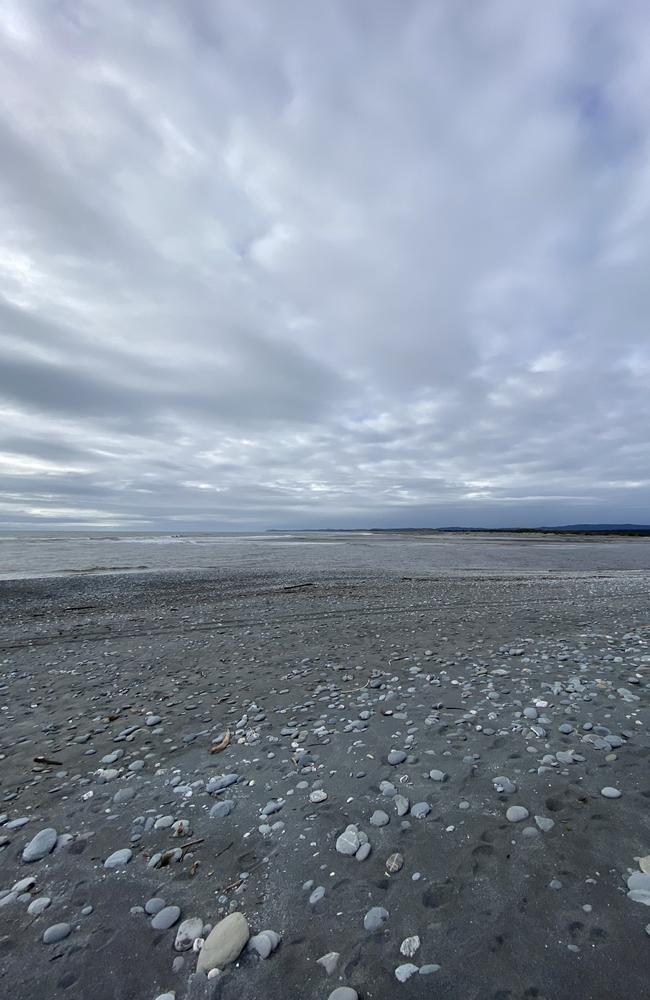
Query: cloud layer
(371,263)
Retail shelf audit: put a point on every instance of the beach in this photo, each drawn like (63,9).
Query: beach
(425,782)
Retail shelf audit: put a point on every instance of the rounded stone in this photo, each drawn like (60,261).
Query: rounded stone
(515,814)
(394,863)
(37,906)
(375,918)
(363,852)
(56,933)
(610,793)
(379,818)
(39,846)
(118,858)
(188,931)
(224,944)
(154,905)
(165,918)
(343,993)
(405,971)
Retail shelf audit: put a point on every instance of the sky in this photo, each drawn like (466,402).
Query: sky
(343,263)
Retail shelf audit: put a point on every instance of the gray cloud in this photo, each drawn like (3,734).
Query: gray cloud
(366,263)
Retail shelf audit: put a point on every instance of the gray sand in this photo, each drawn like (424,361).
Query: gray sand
(114,689)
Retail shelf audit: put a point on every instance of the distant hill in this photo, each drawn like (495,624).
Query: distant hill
(576,529)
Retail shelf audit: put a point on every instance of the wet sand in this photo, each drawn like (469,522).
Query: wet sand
(318,677)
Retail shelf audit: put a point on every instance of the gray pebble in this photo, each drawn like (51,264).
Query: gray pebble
(43,843)
(154,905)
(118,858)
(405,971)
(375,918)
(38,905)
(317,895)
(56,933)
(515,814)
(165,918)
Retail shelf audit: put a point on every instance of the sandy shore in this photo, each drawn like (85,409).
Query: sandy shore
(114,690)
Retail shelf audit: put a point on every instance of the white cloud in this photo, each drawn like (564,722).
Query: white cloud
(368,263)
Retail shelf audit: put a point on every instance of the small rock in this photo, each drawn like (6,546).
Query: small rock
(188,931)
(39,846)
(610,793)
(348,843)
(409,946)
(165,918)
(329,961)
(515,814)
(404,972)
(375,918)
(56,933)
(118,858)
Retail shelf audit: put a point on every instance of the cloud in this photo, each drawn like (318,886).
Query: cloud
(366,263)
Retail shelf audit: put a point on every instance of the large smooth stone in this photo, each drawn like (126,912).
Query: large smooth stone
(224,943)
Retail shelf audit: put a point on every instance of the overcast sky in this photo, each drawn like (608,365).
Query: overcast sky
(345,262)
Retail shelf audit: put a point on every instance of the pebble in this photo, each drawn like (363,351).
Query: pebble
(118,858)
(343,993)
(188,931)
(426,970)
(375,918)
(317,895)
(154,905)
(56,933)
(348,843)
(404,972)
(38,905)
(515,814)
(319,795)
(165,918)
(420,810)
(401,804)
(409,946)
(396,757)
(437,775)
(394,863)
(264,943)
(379,818)
(363,852)
(544,823)
(329,961)
(39,846)
(504,785)
(222,809)
(610,793)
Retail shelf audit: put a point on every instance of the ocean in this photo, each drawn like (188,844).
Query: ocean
(68,553)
